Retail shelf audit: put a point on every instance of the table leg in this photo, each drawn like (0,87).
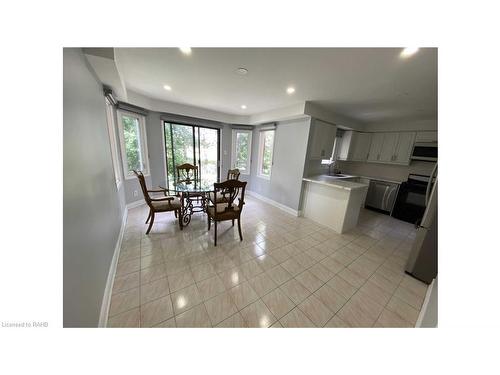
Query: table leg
(186,209)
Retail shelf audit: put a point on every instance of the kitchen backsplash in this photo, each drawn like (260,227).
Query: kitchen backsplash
(388,171)
(314,167)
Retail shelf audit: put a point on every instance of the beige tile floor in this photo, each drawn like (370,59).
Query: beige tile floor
(287,272)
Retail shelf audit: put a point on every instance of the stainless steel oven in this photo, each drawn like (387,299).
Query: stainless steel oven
(411,200)
(425,151)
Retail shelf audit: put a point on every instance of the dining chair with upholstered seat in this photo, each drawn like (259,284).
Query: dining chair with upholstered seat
(226,192)
(233,174)
(186,173)
(164,203)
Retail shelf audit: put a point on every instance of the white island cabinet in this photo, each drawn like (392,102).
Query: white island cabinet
(334,203)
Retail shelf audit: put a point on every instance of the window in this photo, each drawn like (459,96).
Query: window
(112,142)
(266,144)
(133,144)
(241,150)
(336,147)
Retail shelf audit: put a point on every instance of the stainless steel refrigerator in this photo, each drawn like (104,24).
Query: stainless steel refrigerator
(422,262)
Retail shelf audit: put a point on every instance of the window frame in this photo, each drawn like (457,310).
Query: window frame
(233,150)
(168,123)
(261,153)
(113,144)
(336,148)
(142,142)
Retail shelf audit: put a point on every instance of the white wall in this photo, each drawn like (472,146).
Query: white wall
(290,146)
(93,207)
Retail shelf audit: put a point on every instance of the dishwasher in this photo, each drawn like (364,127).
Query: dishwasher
(381,196)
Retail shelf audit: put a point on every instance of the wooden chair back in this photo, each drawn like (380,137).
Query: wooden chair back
(142,182)
(233,174)
(187,173)
(230,190)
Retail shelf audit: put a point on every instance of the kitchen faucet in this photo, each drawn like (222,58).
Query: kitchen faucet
(331,165)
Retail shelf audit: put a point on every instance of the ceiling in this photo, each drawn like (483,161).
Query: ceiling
(365,84)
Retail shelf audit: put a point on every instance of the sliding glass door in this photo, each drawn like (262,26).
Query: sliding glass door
(195,145)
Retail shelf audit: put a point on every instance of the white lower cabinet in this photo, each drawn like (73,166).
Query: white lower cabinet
(364,180)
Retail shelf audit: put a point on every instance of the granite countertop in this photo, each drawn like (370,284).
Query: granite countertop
(336,182)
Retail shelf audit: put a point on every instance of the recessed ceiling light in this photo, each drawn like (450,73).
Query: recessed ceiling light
(167,87)
(243,106)
(290,90)
(242,71)
(408,51)
(185,50)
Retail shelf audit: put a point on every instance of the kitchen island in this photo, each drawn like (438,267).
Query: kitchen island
(333,201)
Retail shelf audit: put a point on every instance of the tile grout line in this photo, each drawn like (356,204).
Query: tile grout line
(279,263)
(260,298)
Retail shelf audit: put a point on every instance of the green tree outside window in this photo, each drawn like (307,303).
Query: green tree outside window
(131,132)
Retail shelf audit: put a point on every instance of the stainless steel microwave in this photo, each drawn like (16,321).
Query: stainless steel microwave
(425,151)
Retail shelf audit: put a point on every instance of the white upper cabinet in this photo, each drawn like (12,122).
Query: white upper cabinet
(404,148)
(322,140)
(426,137)
(360,146)
(389,147)
(376,146)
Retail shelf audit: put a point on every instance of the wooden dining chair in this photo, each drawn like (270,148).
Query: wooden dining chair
(186,173)
(164,203)
(228,209)
(233,174)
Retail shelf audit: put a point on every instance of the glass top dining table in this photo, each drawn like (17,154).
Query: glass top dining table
(193,197)
(195,186)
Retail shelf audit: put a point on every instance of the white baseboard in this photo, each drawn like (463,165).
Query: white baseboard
(273,203)
(135,204)
(425,304)
(106,299)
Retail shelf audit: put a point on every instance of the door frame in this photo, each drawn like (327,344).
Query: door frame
(193,126)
